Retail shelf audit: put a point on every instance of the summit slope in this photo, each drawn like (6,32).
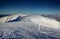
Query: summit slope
(29,27)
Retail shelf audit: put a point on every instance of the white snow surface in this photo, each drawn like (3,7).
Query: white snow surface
(30,23)
(47,22)
(12,17)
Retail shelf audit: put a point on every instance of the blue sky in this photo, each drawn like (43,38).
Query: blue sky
(29,6)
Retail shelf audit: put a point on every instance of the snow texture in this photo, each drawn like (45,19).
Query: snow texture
(20,26)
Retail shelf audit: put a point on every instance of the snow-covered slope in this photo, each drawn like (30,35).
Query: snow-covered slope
(47,22)
(30,27)
(9,18)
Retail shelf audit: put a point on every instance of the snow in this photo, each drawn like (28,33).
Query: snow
(30,27)
(40,20)
(8,18)
(51,23)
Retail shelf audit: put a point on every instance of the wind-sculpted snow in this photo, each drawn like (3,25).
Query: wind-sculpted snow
(12,18)
(46,21)
(29,27)
(23,30)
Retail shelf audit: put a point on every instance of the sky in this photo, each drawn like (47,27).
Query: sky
(29,6)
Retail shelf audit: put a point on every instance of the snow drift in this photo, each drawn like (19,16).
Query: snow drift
(9,18)
(47,22)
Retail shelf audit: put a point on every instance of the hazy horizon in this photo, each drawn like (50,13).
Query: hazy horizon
(29,6)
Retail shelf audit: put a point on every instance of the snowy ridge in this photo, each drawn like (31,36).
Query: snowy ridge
(30,27)
(40,20)
(8,18)
(47,22)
